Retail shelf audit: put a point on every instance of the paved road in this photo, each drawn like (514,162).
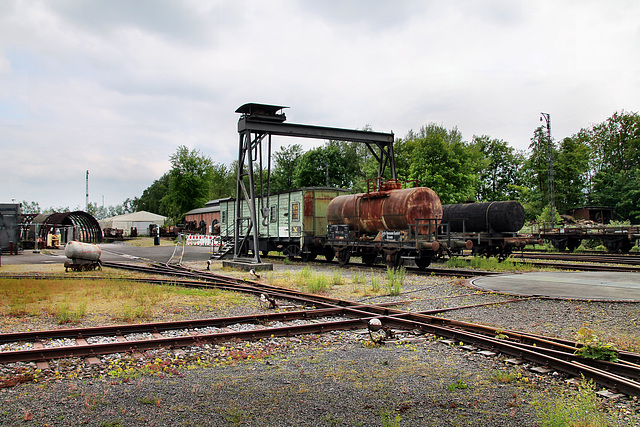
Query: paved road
(116,252)
(566,284)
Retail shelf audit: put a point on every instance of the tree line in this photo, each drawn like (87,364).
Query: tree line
(597,166)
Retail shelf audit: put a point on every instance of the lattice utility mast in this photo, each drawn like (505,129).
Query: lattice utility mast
(552,201)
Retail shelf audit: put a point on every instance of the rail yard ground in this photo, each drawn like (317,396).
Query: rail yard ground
(332,379)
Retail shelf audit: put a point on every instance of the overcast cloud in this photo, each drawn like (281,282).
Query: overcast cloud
(115,86)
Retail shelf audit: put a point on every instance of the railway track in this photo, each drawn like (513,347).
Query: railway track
(603,258)
(577,263)
(622,376)
(448,272)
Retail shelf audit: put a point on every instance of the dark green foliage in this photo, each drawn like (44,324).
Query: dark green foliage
(151,199)
(190,181)
(500,169)
(615,148)
(620,190)
(571,174)
(326,166)
(536,174)
(285,161)
(438,158)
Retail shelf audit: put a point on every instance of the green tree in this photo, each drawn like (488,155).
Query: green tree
(286,160)
(536,174)
(190,181)
(223,181)
(620,190)
(615,147)
(438,158)
(327,165)
(152,197)
(571,174)
(500,169)
(30,207)
(615,143)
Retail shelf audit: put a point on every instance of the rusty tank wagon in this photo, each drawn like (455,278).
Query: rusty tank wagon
(388,223)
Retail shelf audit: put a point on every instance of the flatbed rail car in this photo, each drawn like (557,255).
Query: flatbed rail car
(614,238)
(291,222)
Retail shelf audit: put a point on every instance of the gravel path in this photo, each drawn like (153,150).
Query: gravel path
(337,379)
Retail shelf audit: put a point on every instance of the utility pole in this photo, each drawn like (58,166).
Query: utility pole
(86,206)
(552,203)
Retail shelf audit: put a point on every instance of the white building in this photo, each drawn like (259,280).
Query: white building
(138,220)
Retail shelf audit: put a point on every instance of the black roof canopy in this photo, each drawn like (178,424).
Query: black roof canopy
(262,110)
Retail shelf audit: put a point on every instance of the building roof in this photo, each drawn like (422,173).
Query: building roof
(207,209)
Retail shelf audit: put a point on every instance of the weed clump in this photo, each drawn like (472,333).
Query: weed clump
(573,408)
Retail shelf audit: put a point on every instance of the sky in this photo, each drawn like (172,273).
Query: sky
(114,87)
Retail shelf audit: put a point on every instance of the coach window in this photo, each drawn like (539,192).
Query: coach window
(273,214)
(223,217)
(295,211)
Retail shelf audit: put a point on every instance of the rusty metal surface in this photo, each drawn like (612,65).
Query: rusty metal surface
(396,209)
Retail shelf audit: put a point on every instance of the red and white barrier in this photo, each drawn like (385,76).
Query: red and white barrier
(200,240)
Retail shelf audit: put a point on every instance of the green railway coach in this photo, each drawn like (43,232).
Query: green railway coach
(292,222)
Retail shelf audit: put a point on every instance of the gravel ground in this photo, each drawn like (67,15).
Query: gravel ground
(329,380)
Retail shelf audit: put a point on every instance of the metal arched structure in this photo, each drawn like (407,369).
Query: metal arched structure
(77,225)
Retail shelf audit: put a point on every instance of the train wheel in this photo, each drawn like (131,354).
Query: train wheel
(422,262)
(292,251)
(573,244)
(626,245)
(308,256)
(613,245)
(329,253)
(343,255)
(394,260)
(369,258)
(559,244)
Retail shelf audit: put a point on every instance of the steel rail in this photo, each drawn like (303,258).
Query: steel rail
(601,258)
(85,350)
(582,267)
(158,327)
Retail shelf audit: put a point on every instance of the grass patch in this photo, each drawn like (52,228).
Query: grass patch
(573,408)
(395,280)
(504,376)
(65,313)
(375,283)
(318,284)
(390,418)
(70,300)
(490,264)
(337,279)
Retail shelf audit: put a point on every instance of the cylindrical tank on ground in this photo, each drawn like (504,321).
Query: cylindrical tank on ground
(498,217)
(386,210)
(79,250)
